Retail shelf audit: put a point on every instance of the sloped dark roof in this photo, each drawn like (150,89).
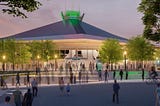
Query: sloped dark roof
(59,30)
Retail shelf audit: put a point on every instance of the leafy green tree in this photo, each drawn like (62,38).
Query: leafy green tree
(24,55)
(110,52)
(151,18)
(36,48)
(139,49)
(157,53)
(3,58)
(11,51)
(19,7)
(2,49)
(48,50)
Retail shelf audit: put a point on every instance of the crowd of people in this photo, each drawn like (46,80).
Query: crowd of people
(65,85)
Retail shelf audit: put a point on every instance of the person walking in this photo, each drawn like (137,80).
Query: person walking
(114,74)
(126,74)
(18,79)
(34,85)
(28,98)
(68,89)
(80,76)
(116,88)
(61,85)
(99,69)
(17,95)
(106,75)
(143,74)
(121,74)
(71,77)
(28,80)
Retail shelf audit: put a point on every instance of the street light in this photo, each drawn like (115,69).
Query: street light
(125,62)
(55,57)
(3,65)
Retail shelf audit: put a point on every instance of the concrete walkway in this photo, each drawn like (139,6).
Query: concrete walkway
(132,93)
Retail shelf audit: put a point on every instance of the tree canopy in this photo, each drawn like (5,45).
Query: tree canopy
(110,51)
(19,7)
(139,49)
(151,18)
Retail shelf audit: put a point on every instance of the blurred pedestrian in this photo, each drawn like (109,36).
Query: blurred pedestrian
(116,88)
(17,95)
(28,98)
(61,85)
(28,80)
(143,74)
(68,89)
(80,76)
(34,85)
(18,79)
(114,74)
(121,74)
(126,74)
(106,75)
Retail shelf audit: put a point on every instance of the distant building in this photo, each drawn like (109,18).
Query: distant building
(72,36)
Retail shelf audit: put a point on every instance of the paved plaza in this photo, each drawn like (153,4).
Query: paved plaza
(132,93)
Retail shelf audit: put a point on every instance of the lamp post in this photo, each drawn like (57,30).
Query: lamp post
(125,62)
(55,57)
(3,65)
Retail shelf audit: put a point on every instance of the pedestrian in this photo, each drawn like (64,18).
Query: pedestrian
(80,76)
(87,76)
(28,98)
(18,79)
(121,74)
(142,74)
(158,94)
(126,74)
(116,88)
(106,75)
(34,85)
(61,85)
(7,102)
(3,83)
(71,77)
(17,95)
(68,89)
(99,69)
(74,79)
(28,80)
(114,74)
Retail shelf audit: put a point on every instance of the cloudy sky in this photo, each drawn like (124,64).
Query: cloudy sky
(119,17)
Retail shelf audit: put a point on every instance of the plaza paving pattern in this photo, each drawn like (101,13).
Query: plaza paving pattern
(99,94)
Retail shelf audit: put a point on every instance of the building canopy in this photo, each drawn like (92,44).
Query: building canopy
(71,27)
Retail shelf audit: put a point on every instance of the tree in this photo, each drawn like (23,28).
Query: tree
(139,49)
(18,7)
(35,49)
(110,52)
(157,53)
(151,18)
(48,50)
(24,55)
(11,51)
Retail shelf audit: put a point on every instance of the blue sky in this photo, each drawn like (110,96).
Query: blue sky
(119,17)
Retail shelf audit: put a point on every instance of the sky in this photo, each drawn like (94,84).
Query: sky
(119,17)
